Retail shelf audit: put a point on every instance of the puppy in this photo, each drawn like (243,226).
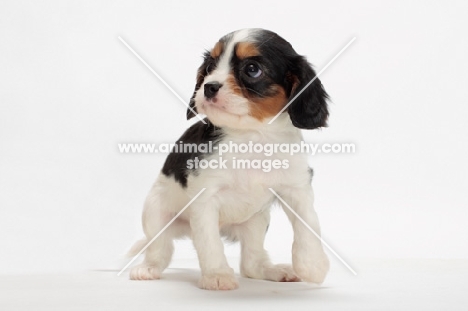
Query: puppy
(246,79)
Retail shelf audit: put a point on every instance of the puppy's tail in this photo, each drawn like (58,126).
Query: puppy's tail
(137,247)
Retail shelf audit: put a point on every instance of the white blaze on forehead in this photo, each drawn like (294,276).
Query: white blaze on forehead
(223,67)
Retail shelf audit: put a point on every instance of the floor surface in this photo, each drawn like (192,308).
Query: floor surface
(379,285)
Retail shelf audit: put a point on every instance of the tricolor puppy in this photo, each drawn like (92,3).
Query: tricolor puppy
(244,82)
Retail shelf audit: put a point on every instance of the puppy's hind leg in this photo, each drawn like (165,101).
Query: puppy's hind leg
(159,253)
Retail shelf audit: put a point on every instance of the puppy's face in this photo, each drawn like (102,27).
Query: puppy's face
(250,75)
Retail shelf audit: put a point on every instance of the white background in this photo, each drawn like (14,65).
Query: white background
(70,91)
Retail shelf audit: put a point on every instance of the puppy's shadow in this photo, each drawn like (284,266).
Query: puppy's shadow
(181,275)
(248,288)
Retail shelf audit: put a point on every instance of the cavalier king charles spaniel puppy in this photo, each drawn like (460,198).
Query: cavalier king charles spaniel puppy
(246,79)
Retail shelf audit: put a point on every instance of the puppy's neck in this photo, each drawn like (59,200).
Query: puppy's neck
(279,129)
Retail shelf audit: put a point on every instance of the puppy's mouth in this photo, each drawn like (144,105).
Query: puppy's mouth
(215,104)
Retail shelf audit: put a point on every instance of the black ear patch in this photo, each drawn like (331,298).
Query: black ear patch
(205,68)
(201,73)
(309,110)
(192,109)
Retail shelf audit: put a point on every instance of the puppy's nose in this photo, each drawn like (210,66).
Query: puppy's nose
(211,88)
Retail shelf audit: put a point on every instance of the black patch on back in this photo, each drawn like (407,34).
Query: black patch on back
(176,162)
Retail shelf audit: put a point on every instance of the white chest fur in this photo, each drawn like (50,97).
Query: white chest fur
(242,182)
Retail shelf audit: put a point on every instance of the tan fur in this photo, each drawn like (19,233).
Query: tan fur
(217,50)
(246,49)
(261,108)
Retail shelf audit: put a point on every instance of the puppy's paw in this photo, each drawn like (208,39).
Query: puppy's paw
(281,273)
(313,271)
(218,282)
(145,272)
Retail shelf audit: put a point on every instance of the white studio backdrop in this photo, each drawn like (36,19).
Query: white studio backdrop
(70,91)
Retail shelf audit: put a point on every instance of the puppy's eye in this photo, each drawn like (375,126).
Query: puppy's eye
(253,71)
(209,67)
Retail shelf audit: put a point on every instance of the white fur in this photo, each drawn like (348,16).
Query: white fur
(235,203)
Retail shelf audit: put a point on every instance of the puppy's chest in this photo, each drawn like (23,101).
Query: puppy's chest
(250,167)
(245,192)
(254,160)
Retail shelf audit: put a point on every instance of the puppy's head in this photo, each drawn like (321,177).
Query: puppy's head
(250,75)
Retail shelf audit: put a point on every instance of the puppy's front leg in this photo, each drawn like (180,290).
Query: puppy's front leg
(309,260)
(216,273)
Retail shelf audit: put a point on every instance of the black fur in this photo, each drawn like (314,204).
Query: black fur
(199,133)
(310,109)
(311,173)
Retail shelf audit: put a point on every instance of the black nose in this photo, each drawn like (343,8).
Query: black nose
(211,88)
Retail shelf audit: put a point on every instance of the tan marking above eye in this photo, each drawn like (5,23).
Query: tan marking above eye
(217,50)
(246,49)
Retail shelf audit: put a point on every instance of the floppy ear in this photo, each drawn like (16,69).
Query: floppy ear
(200,78)
(309,110)
(192,108)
